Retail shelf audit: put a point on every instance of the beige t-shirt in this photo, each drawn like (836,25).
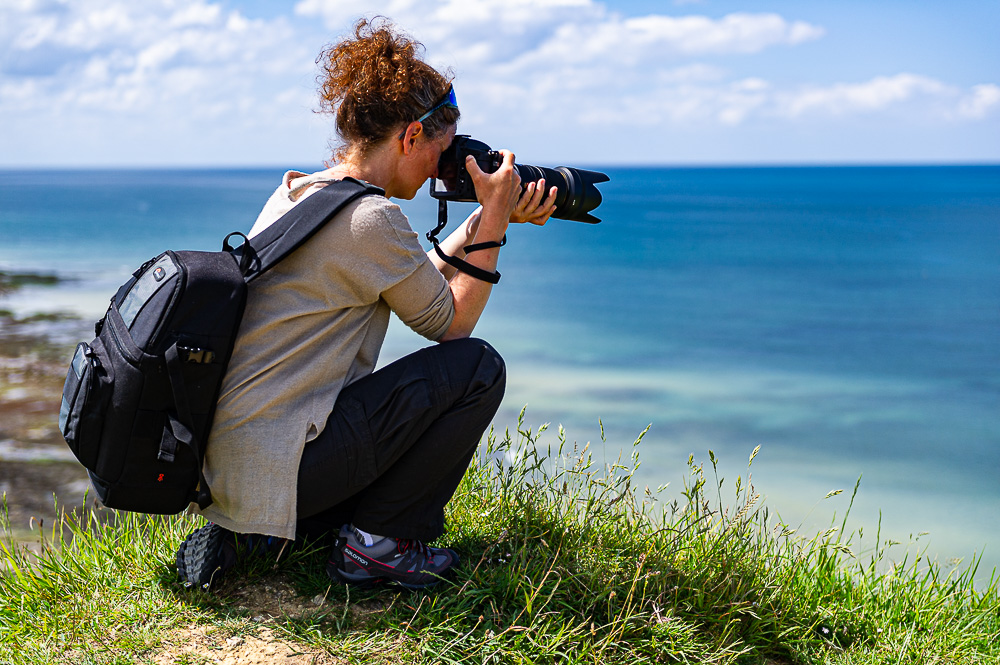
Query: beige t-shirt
(313,324)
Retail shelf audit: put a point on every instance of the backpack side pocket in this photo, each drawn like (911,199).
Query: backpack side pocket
(85,398)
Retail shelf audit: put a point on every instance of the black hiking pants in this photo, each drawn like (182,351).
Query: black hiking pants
(399,441)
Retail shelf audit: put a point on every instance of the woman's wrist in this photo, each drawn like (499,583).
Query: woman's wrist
(492,226)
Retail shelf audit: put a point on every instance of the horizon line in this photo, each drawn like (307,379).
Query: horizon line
(612,164)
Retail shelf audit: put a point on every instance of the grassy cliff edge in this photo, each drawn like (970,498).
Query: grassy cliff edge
(563,561)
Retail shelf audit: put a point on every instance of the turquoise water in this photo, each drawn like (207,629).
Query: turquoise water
(845,319)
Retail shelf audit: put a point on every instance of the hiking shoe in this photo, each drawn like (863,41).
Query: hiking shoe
(206,555)
(408,563)
(209,552)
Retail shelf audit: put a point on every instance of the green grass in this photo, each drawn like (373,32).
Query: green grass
(563,561)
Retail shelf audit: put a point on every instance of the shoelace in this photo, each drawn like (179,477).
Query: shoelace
(403,546)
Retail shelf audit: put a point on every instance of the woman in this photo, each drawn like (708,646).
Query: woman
(305,432)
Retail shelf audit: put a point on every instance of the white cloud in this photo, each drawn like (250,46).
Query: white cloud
(874,95)
(979,102)
(159,57)
(196,74)
(556,60)
(699,35)
(699,101)
(694,73)
(534,32)
(559,57)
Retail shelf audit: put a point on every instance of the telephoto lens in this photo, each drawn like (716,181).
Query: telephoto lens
(576,195)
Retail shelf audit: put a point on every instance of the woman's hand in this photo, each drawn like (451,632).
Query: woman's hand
(530,208)
(498,192)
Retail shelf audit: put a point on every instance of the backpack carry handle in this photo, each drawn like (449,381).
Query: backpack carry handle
(244,253)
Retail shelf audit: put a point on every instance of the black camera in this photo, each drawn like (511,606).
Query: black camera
(577,194)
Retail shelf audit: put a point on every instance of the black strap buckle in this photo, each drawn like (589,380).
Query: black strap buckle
(191,354)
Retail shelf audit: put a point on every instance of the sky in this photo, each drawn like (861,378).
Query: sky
(111,83)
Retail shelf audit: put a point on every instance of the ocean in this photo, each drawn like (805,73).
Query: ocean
(845,319)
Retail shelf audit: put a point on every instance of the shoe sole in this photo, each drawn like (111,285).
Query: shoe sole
(201,552)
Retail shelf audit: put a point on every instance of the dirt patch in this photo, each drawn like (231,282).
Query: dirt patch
(203,646)
(275,598)
(268,602)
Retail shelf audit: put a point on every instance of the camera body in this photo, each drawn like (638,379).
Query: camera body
(576,193)
(453,182)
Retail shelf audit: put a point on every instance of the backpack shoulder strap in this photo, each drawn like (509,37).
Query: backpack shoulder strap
(296,226)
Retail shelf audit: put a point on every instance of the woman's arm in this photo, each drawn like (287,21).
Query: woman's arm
(498,194)
(529,209)
(455,243)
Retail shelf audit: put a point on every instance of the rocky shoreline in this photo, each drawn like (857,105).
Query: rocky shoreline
(37,469)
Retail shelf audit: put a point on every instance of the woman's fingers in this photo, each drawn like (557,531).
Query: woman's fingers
(500,188)
(531,208)
(524,202)
(544,209)
(536,194)
(550,202)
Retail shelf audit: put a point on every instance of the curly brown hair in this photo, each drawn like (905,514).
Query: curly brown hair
(375,84)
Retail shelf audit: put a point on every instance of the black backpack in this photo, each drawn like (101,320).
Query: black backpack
(138,401)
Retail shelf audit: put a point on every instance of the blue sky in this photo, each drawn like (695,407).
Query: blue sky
(224,82)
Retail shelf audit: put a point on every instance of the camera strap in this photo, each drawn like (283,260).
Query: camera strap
(454,261)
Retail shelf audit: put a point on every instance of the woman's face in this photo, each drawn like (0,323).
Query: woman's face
(422,162)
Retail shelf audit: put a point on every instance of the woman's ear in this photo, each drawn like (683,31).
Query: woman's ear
(409,136)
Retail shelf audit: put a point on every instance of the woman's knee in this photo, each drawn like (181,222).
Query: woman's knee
(495,366)
(478,365)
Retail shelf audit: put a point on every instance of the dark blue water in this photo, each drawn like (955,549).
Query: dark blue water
(845,319)
(73,220)
(829,269)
